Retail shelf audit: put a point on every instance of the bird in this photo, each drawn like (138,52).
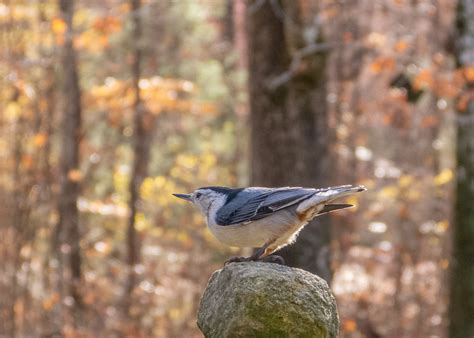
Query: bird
(264,218)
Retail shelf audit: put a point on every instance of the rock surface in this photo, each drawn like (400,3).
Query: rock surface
(255,299)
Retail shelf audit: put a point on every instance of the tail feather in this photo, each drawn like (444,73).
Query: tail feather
(332,207)
(345,188)
(333,193)
(327,195)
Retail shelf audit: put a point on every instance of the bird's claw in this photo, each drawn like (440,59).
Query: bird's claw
(237,259)
(273,259)
(268,259)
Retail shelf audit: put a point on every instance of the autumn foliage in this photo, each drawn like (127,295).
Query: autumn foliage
(392,88)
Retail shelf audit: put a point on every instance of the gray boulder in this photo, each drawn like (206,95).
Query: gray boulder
(255,299)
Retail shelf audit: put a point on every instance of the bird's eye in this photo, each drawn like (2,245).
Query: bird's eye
(198,195)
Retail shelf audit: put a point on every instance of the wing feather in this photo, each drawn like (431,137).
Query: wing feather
(258,203)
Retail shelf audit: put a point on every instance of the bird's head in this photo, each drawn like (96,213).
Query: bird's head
(204,198)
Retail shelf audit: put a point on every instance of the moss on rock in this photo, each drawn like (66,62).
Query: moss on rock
(267,300)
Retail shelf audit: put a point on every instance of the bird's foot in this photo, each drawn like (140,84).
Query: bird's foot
(238,259)
(273,259)
(267,259)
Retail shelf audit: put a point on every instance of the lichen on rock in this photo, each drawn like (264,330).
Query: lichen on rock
(254,299)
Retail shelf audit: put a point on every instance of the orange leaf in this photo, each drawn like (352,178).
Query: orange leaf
(107,25)
(423,80)
(40,139)
(48,303)
(382,63)
(469,73)
(463,101)
(444,263)
(27,161)
(349,325)
(401,46)
(74,175)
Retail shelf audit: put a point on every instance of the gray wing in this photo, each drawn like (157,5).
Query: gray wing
(257,203)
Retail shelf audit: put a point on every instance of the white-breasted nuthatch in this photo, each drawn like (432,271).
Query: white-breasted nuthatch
(264,218)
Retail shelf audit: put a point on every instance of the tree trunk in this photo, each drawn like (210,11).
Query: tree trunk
(288,120)
(268,58)
(68,226)
(142,123)
(306,105)
(462,282)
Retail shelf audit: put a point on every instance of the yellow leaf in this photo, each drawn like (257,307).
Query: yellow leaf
(442,226)
(413,195)
(389,192)
(58,26)
(443,177)
(405,180)
(141,222)
(12,111)
(184,238)
(175,313)
(368,183)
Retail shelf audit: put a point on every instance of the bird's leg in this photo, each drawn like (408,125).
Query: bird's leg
(273,259)
(237,259)
(255,257)
(268,258)
(261,254)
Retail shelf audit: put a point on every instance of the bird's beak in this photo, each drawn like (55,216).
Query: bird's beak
(186,197)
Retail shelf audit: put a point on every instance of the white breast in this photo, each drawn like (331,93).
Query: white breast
(257,233)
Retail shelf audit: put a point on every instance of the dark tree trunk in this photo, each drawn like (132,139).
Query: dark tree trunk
(45,164)
(68,226)
(141,124)
(268,58)
(228,21)
(462,282)
(288,120)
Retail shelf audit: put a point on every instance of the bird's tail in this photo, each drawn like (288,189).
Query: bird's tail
(333,193)
(327,195)
(333,207)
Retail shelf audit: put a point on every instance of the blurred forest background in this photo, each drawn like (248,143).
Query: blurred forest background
(107,107)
